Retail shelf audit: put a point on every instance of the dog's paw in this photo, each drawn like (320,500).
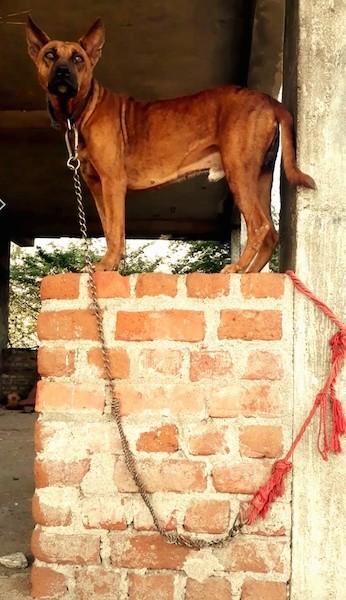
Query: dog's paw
(106,264)
(234,268)
(99,267)
(102,266)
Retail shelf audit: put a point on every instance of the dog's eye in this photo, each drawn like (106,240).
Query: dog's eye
(78,59)
(50,55)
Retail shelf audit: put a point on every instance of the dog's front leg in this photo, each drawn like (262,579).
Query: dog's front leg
(110,203)
(111,207)
(109,198)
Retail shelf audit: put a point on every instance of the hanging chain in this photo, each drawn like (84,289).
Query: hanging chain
(73,163)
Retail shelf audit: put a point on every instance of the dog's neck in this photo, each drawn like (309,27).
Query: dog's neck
(61,109)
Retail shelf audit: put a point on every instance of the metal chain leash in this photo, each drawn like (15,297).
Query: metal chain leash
(73,163)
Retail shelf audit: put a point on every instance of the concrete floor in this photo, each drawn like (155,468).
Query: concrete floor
(15,587)
(17,487)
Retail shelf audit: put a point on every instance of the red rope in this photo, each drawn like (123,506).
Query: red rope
(326,442)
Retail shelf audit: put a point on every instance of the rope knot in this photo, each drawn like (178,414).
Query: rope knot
(267,493)
(338,344)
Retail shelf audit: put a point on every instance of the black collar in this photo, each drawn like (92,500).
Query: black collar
(75,114)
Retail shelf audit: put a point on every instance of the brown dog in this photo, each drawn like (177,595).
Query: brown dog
(125,144)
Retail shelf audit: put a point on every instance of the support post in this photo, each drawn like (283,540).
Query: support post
(4,298)
(314,245)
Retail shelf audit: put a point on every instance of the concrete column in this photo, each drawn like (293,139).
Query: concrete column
(314,244)
(4,290)
(265,68)
(4,297)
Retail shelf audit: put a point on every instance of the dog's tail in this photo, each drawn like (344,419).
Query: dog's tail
(293,174)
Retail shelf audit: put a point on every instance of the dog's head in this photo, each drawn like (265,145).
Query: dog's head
(65,68)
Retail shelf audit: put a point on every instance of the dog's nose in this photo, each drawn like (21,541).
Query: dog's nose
(63,72)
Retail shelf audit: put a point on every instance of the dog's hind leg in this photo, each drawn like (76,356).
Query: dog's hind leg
(270,241)
(243,182)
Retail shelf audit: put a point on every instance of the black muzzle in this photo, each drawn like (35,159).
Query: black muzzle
(63,81)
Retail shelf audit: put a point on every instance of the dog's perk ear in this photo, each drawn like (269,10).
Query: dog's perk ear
(35,37)
(93,41)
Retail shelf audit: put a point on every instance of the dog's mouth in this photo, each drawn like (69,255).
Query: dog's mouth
(66,89)
(62,89)
(63,82)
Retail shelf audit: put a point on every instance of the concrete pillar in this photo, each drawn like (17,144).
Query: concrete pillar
(4,290)
(315,247)
(4,297)
(265,68)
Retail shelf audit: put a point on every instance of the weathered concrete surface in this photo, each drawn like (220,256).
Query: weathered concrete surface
(265,68)
(16,482)
(315,75)
(4,297)
(4,277)
(15,587)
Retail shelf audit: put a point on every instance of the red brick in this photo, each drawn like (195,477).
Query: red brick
(61,397)
(149,586)
(243,478)
(54,516)
(187,399)
(212,588)
(258,441)
(55,362)
(64,286)
(110,284)
(263,365)
(143,521)
(224,401)
(162,439)
(86,438)
(250,324)
(118,358)
(66,548)
(146,552)
(100,437)
(210,365)
(259,555)
(261,400)
(103,512)
(207,442)
(42,434)
(46,582)
(263,590)
(232,400)
(99,481)
(207,516)
(262,285)
(268,531)
(177,325)
(166,475)
(156,284)
(67,325)
(207,285)
(162,362)
(97,583)
(57,472)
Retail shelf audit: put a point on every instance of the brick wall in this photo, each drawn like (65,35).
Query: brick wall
(203,369)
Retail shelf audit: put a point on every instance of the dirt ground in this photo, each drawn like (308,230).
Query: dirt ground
(17,487)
